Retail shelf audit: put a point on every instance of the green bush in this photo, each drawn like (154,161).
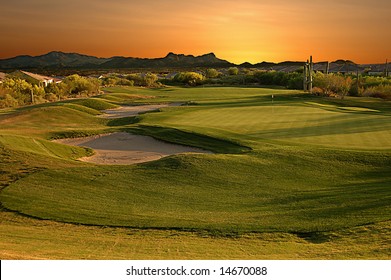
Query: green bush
(150,79)
(76,85)
(294,80)
(189,78)
(136,79)
(7,101)
(212,73)
(233,71)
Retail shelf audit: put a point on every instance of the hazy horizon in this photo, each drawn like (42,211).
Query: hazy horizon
(246,31)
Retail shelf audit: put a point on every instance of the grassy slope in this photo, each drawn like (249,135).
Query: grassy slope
(44,121)
(280,187)
(25,238)
(273,191)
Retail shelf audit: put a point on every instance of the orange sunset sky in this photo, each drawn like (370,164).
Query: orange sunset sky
(238,31)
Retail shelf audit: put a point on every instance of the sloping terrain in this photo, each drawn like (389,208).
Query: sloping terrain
(300,167)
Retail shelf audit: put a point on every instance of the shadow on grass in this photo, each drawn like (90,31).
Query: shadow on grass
(123,121)
(193,139)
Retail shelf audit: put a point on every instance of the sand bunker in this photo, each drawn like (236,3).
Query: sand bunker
(124,148)
(130,111)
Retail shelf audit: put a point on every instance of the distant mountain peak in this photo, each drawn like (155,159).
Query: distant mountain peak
(210,54)
(170,54)
(342,61)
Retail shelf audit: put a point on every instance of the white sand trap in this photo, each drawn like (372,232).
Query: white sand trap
(124,148)
(130,111)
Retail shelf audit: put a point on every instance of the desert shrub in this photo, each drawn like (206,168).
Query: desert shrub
(114,80)
(19,89)
(265,77)
(212,73)
(51,97)
(189,78)
(150,79)
(55,89)
(110,81)
(370,81)
(233,80)
(76,85)
(344,85)
(280,78)
(333,83)
(136,79)
(8,101)
(317,91)
(233,71)
(381,91)
(125,82)
(294,80)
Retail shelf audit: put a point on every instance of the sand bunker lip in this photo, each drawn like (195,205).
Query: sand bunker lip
(130,111)
(121,148)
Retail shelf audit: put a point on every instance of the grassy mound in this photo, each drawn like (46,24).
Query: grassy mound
(276,190)
(96,103)
(121,98)
(190,139)
(41,122)
(41,147)
(82,108)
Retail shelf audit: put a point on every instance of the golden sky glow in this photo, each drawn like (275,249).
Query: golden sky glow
(239,31)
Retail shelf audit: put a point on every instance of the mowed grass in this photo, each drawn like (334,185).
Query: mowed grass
(46,120)
(284,123)
(26,238)
(277,190)
(296,173)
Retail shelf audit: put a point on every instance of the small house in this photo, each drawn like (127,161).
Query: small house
(35,78)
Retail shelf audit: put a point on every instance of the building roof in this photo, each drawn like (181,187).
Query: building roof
(37,77)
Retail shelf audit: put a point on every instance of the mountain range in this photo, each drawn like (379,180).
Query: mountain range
(74,60)
(61,60)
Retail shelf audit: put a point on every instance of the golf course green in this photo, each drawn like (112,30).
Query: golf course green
(284,169)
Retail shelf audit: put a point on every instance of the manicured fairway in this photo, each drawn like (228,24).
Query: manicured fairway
(299,164)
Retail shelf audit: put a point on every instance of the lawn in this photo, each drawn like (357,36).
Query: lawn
(298,169)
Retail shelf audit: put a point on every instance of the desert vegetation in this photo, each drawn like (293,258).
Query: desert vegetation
(16,91)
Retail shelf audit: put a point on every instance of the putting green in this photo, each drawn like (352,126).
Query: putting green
(294,124)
